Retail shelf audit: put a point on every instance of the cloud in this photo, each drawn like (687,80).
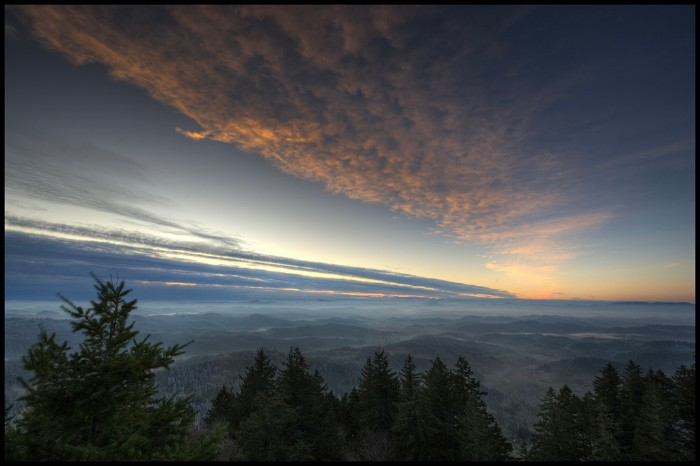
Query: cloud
(346,96)
(426,110)
(47,167)
(36,250)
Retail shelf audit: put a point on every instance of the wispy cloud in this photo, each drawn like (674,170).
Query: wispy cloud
(45,249)
(50,168)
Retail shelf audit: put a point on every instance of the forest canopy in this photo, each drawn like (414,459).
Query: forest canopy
(100,401)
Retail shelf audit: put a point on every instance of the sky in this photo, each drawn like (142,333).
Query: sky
(388,151)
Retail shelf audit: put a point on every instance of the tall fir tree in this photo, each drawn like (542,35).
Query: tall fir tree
(222,409)
(233,407)
(100,402)
(270,433)
(653,430)
(481,439)
(259,379)
(316,424)
(684,407)
(560,428)
(604,427)
(440,413)
(572,418)
(626,418)
(410,381)
(631,392)
(409,429)
(545,446)
(378,392)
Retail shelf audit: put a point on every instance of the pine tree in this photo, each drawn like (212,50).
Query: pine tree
(653,430)
(378,392)
(464,381)
(684,407)
(100,402)
(270,433)
(349,416)
(410,381)
(604,429)
(259,378)
(233,407)
(481,439)
(572,418)
(631,391)
(376,396)
(560,428)
(439,412)
(222,408)
(409,429)
(11,436)
(545,445)
(316,424)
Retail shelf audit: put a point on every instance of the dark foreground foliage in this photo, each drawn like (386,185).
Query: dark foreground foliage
(100,403)
(630,416)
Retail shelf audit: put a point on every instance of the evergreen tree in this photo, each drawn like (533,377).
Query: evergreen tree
(439,413)
(545,445)
(560,428)
(409,427)
(270,433)
(259,378)
(684,407)
(481,439)
(100,403)
(233,407)
(631,391)
(572,419)
(653,430)
(11,436)
(604,430)
(378,392)
(316,424)
(349,415)
(222,408)
(464,381)
(410,381)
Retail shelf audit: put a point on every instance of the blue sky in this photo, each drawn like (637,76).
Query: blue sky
(504,151)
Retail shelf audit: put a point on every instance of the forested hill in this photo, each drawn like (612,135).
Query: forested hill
(515,358)
(427,388)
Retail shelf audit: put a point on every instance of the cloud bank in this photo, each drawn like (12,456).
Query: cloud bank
(41,256)
(422,109)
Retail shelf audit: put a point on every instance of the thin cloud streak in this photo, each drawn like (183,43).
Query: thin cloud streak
(168,261)
(49,168)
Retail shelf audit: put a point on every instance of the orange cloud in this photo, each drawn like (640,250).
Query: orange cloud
(345,96)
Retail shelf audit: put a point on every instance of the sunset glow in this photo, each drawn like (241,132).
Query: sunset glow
(382,151)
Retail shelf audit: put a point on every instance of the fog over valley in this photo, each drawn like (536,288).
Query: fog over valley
(518,348)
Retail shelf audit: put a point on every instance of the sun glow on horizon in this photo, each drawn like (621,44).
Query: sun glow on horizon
(172,254)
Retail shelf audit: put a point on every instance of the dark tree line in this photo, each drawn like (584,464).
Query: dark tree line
(436,416)
(101,402)
(632,416)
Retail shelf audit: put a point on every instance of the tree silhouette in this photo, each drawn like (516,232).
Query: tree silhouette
(100,402)
(409,426)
